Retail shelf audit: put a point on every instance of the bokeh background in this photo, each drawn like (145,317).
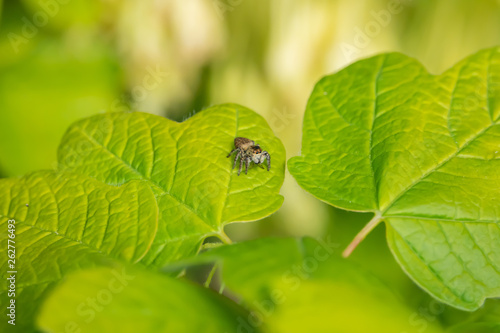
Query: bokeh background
(61,61)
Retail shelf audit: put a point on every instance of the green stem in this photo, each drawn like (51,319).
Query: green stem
(210,276)
(362,234)
(222,286)
(207,246)
(224,238)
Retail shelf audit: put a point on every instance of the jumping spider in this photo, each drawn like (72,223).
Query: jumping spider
(248,152)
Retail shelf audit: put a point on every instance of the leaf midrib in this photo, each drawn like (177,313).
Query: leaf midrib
(237,120)
(440,219)
(374,114)
(457,152)
(143,177)
(439,166)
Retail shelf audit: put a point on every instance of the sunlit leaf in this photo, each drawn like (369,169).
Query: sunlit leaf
(64,222)
(422,152)
(186,166)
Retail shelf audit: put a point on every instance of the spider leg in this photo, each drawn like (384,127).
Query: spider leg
(232,152)
(236,159)
(248,162)
(268,157)
(241,165)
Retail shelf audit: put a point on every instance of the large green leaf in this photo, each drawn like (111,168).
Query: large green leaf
(65,221)
(186,166)
(299,285)
(423,153)
(130,300)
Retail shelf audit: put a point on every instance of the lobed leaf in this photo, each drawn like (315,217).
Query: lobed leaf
(64,222)
(186,166)
(422,152)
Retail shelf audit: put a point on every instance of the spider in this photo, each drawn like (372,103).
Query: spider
(248,152)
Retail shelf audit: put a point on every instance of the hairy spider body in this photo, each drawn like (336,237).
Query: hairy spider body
(248,151)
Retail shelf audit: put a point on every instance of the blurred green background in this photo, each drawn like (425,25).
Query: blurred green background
(61,62)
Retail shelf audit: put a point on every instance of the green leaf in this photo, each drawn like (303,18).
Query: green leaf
(299,285)
(423,153)
(186,166)
(70,222)
(131,300)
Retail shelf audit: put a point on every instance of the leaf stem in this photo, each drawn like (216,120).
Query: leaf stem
(210,276)
(222,287)
(362,234)
(224,238)
(207,246)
